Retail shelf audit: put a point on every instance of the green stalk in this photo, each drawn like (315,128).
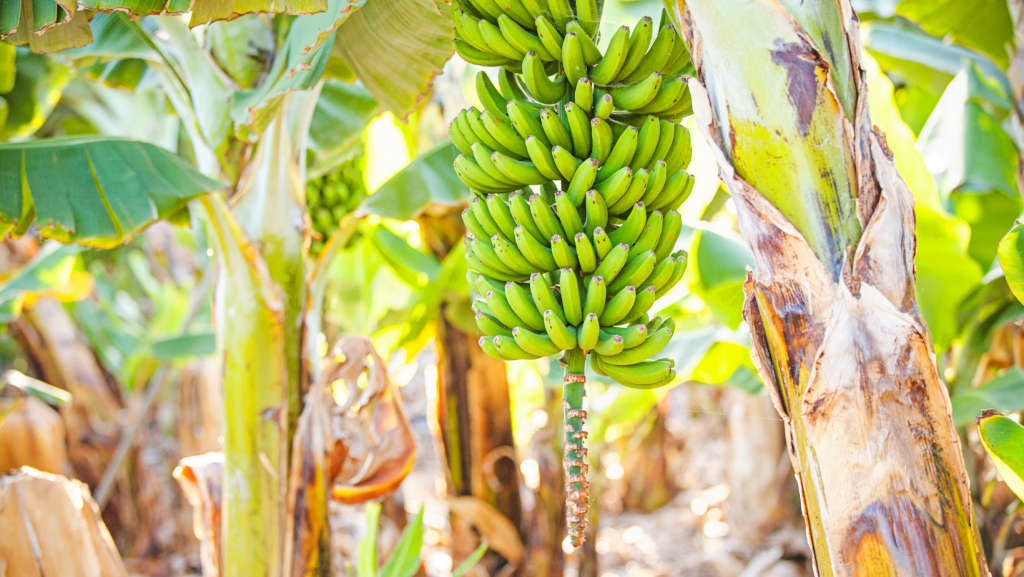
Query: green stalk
(575,453)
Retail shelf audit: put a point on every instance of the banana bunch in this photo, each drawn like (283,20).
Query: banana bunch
(332,196)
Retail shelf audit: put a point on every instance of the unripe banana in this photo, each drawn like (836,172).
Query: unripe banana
(670,231)
(483,218)
(650,347)
(522,40)
(467,28)
(596,211)
(568,215)
(509,86)
(464,145)
(522,304)
(549,34)
(510,255)
(612,263)
(637,189)
(661,274)
(525,124)
(500,128)
(535,8)
(650,236)
(565,162)
(554,130)
(673,196)
(634,273)
(541,87)
(591,53)
(488,9)
(497,43)
(520,210)
(544,296)
(678,156)
(540,345)
(475,264)
(608,345)
(618,306)
(588,332)
(488,256)
(476,124)
(516,10)
(479,57)
(484,283)
(645,375)
(631,229)
(602,244)
(561,11)
(560,334)
(631,336)
(645,298)
(646,143)
(522,172)
(501,310)
(583,180)
(597,295)
(564,255)
(604,71)
(510,348)
(588,16)
(677,273)
(636,96)
(655,183)
(489,96)
(569,288)
(487,345)
(572,59)
(656,57)
(471,173)
(542,158)
(601,139)
(639,41)
(605,105)
(482,158)
(579,129)
(473,225)
(545,218)
(615,186)
(622,153)
(489,326)
(671,93)
(585,253)
(536,253)
(583,96)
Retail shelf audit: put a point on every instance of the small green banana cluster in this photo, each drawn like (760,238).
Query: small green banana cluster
(578,165)
(330,197)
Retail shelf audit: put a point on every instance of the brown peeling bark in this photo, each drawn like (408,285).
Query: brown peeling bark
(849,362)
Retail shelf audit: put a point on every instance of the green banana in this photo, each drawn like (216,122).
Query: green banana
(509,254)
(483,217)
(536,8)
(569,288)
(608,345)
(591,53)
(649,237)
(585,253)
(476,125)
(602,244)
(510,348)
(554,130)
(565,162)
(666,135)
(519,171)
(655,183)
(634,96)
(487,344)
(634,273)
(646,143)
(489,96)
(656,57)
(605,71)
(673,196)
(488,9)
(670,231)
(541,87)
(588,15)
(473,225)
(522,304)
(544,296)
(568,215)
(678,156)
(536,253)
(646,375)
(488,256)
(540,345)
(501,215)
(583,180)
(579,130)
(669,94)
(464,145)
(467,29)
(560,334)
(476,264)
(524,122)
(490,326)
(615,186)
(572,59)
(601,139)
(520,210)
(661,273)
(650,347)
(549,35)
(632,335)
(677,273)
(542,158)
(509,86)
(678,61)
(612,263)
(484,284)
(596,211)
(617,307)
(564,255)
(516,10)
(637,189)
(631,229)
(597,295)
(605,106)
(501,310)
(545,218)
(621,154)
(639,41)
(561,11)
(522,40)
(588,332)
(583,96)
(497,43)
(482,158)
(501,130)
(479,57)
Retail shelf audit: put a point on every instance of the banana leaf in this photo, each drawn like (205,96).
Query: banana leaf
(429,179)
(47,271)
(1003,439)
(983,25)
(38,83)
(93,191)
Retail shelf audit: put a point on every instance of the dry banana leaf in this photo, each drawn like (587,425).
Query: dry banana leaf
(200,408)
(50,525)
(373,447)
(491,524)
(32,435)
(200,478)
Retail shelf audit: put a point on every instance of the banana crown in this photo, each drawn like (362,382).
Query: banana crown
(577,163)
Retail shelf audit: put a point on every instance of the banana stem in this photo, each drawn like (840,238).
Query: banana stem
(577,488)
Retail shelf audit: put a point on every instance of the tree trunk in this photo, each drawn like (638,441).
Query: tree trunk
(474,414)
(835,328)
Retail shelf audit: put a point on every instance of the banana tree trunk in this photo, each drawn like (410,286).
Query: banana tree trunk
(835,329)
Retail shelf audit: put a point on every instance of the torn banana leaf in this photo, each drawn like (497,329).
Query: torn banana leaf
(93,191)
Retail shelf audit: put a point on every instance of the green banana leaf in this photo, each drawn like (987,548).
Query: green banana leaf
(35,388)
(404,560)
(341,114)
(38,84)
(366,552)
(397,48)
(94,191)
(185,346)
(719,262)
(429,179)
(49,269)
(984,311)
(416,268)
(1004,393)
(1003,438)
(1011,259)
(983,25)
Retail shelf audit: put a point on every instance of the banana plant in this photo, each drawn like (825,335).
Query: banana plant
(835,329)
